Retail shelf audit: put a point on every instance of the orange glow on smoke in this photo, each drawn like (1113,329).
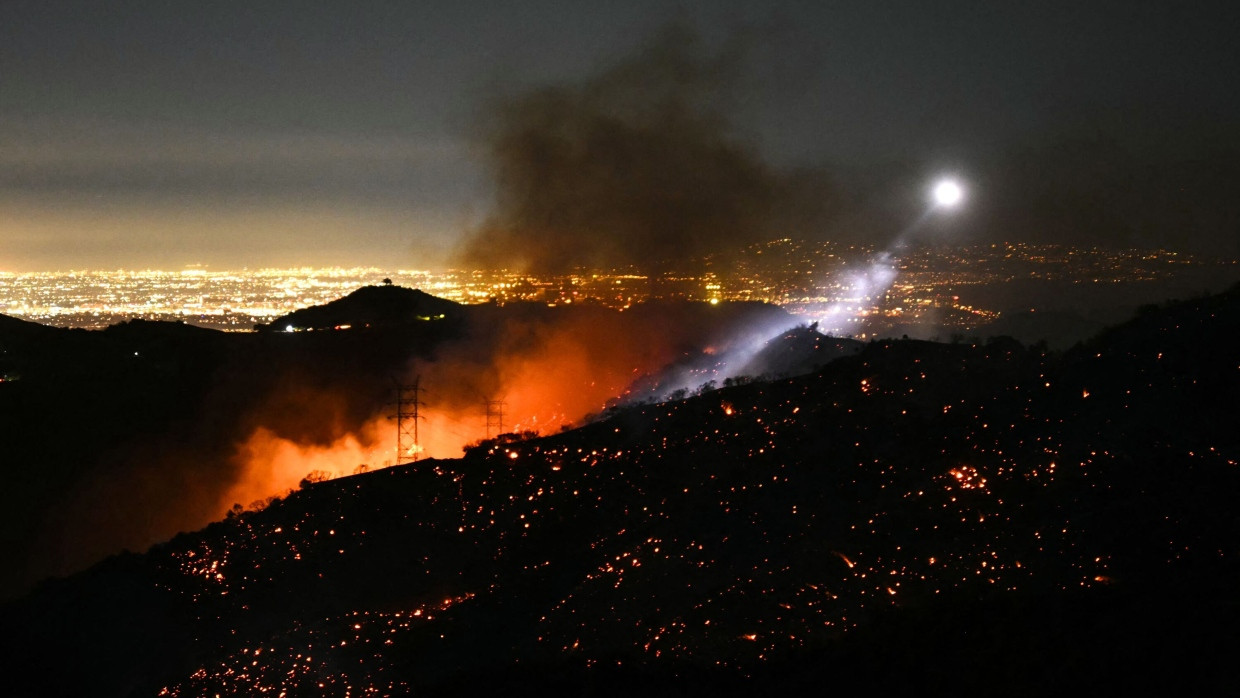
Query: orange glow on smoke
(273,465)
(549,371)
(554,387)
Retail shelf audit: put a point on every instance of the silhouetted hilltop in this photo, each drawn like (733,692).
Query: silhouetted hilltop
(800,350)
(371,306)
(16,338)
(1204,324)
(1059,329)
(14,327)
(21,340)
(957,518)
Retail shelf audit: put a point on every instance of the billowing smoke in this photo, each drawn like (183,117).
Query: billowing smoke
(860,290)
(242,426)
(638,166)
(554,367)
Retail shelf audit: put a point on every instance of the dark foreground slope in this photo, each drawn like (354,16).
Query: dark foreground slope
(949,518)
(145,417)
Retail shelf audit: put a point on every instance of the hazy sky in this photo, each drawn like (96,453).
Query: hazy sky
(163,133)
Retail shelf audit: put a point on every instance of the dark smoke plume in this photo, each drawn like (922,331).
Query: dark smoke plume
(637,166)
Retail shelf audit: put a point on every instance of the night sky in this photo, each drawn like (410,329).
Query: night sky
(157,134)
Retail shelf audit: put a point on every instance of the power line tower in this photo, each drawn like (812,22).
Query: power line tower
(495,417)
(408,447)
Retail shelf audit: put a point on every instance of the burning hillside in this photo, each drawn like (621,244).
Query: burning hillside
(186,423)
(1024,519)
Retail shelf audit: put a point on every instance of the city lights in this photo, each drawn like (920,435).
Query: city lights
(849,289)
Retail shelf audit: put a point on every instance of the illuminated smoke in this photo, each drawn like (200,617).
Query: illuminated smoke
(859,292)
(550,366)
(863,289)
(727,357)
(553,367)
(271,465)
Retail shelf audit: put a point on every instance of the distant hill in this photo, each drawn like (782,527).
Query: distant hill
(1059,329)
(10,326)
(370,306)
(955,518)
(18,339)
(798,351)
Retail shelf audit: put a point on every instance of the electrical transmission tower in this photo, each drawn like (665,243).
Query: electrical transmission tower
(408,447)
(495,417)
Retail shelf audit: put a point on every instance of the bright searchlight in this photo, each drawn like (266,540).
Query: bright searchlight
(947,193)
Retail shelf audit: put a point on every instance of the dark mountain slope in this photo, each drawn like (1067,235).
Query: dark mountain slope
(952,517)
(798,351)
(150,413)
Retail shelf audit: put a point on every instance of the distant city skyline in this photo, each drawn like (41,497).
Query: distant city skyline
(927,291)
(143,134)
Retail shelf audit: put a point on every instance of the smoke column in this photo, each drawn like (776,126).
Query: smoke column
(637,167)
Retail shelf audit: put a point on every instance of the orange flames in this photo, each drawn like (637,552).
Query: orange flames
(273,465)
(549,374)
